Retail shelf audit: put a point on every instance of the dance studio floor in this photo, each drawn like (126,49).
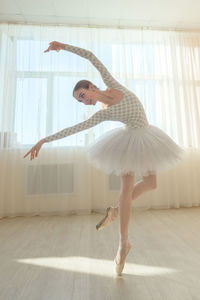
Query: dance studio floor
(66,258)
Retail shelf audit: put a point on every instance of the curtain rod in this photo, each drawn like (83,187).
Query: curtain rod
(142,27)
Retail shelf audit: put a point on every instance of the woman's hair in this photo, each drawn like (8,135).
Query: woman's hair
(83,84)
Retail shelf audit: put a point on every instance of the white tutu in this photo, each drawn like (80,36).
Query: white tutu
(141,151)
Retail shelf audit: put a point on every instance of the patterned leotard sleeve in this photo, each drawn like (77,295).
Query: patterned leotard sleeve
(99,116)
(95,119)
(108,79)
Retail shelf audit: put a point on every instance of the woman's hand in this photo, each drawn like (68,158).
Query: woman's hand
(35,149)
(55,46)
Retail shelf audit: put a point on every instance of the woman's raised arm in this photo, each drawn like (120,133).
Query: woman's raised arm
(108,79)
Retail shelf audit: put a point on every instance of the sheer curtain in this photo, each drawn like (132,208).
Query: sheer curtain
(161,67)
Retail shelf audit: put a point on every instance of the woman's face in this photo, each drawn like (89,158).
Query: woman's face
(86,96)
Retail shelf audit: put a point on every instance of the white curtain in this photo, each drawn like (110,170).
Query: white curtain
(161,67)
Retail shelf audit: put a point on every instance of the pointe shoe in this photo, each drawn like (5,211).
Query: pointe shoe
(123,254)
(111,215)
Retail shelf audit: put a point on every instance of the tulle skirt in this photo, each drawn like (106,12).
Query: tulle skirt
(139,151)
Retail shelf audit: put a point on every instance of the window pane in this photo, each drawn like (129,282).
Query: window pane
(30,111)
(134,59)
(31,57)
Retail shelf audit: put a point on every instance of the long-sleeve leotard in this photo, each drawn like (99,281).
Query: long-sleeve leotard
(129,110)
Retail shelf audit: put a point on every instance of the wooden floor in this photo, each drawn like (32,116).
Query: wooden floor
(65,257)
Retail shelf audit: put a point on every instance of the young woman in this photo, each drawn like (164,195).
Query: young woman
(137,148)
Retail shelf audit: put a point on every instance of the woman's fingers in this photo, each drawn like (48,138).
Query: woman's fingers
(54,46)
(30,152)
(27,154)
(34,150)
(49,49)
(32,155)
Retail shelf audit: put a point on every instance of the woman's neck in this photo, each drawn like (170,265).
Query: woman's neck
(104,97)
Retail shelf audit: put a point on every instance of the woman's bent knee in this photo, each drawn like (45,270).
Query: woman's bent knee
(151,181)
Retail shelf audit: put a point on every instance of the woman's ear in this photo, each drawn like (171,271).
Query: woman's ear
(92,87)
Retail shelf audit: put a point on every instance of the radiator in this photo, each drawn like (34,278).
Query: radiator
(57,179)
(50,179)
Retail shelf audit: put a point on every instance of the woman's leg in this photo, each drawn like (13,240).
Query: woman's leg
(125,204)
(146,184)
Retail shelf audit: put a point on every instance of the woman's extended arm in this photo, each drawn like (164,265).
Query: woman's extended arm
(98,117)
(108,79)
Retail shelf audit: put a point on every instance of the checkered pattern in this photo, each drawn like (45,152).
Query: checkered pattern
(129,110)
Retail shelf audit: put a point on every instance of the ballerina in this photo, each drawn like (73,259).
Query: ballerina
(137,148)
